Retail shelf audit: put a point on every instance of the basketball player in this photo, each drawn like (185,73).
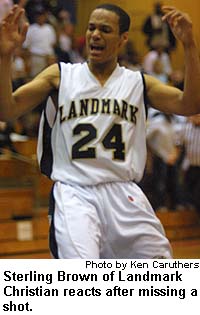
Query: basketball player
(94,148)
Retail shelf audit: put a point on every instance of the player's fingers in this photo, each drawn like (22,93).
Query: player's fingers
(167,15)
(172,15)
(24,30)
(177,17)
(167,8)
(8,18)
(18,14)
(15,7)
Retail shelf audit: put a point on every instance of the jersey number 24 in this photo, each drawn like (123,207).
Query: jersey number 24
(111,141)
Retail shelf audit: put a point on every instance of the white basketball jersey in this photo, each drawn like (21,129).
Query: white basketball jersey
(98,133)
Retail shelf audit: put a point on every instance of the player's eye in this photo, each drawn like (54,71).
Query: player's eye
(106,29)
(91,27)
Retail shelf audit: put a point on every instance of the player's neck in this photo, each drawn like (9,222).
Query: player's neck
(102,71)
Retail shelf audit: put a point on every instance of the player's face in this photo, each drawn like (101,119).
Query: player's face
(103,39)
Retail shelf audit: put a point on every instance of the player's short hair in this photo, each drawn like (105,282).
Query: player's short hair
(124,18)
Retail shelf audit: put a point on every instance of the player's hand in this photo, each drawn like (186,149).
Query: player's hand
(13,29)
(180,24)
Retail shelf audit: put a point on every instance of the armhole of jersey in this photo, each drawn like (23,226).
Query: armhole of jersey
(145,94)
(54,98)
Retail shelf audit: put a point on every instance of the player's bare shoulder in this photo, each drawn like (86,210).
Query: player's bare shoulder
(150,81)
(51,75)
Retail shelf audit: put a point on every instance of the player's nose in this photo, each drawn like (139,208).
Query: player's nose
(96,34)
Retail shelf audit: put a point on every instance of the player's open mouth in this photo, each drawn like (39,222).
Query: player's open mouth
(95,48)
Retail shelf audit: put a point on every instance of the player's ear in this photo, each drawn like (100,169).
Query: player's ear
(123,39)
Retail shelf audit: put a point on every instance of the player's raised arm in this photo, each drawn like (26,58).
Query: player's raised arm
(12,34)
(168,98)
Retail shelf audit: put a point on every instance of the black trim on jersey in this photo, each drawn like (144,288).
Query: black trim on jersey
(146,102)
(59,66)
(46,162)
(52,238)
